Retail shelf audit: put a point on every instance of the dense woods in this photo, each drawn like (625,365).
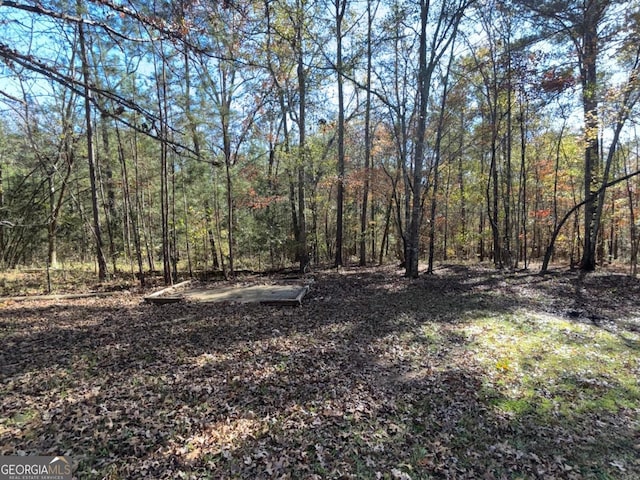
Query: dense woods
(187,136)
(345,150)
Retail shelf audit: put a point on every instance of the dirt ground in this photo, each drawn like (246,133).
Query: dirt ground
(374,376)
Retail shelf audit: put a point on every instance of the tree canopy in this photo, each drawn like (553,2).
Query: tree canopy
(263,134)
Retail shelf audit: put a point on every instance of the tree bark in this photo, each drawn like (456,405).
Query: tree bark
(438,157)
(340,8)
(367,141)
(413,251)
(97,234)
(302,119)
(588,74)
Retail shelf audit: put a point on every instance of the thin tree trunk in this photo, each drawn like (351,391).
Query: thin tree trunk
(461,187)
(187,241)
(230,212)
(211,235)
(164,171)
(218,224)
(302,118)
(110,204)
(340,7)
(523,183)
(438,156)
(52,254)
(97,233)
(175,254)
(132,214)
(446,227)
(481,223)
(492,198)
(385,233)
(507,254)
(633,231)
(139,206)
(367,142)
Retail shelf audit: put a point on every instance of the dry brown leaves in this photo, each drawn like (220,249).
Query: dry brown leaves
(346,386)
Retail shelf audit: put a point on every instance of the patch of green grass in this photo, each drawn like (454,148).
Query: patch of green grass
(431,336)
(23,418)
(546,373)
(537,361)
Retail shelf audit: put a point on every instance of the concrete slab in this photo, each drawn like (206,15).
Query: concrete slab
(268,294)
(273,294)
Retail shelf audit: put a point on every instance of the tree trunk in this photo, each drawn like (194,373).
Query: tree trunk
(97,233)
(367,142)
(507,254)
(438,156)
(110,204)
(592,133)
(175,254)
(302,118)
(161,85)
(385,232)
(492,196)
(461,187)
(522,247)
(340,7)
(413,250)
(52,254)
(633,232)
(230,210)
(129,208)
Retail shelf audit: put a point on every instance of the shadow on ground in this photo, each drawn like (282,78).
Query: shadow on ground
(374,377)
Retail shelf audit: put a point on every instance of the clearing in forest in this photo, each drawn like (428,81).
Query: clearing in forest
(466,374)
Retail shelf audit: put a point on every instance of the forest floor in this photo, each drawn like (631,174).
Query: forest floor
(466,374)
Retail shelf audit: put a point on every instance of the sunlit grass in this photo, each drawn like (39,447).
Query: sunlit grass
(555,366)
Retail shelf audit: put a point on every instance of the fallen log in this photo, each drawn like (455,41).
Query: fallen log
(58,296)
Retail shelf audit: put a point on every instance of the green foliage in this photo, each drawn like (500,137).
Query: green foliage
(232,93)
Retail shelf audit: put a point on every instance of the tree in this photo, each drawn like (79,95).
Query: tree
(127,29)
(581,23)
(440,127)
(87,93)
(340,10)
(371,13)
(207,131)
(447,20)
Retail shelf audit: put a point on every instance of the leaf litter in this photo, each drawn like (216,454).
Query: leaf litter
(466,374)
